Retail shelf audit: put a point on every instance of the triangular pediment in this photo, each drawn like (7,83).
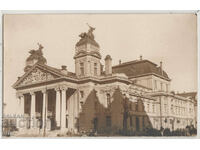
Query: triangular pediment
(37,74)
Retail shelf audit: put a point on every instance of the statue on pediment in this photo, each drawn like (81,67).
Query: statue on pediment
(37,52)
(36,56)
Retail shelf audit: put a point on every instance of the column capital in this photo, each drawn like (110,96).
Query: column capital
(19,95)
(44,91)
(63,87)
(32,93)
(57,88)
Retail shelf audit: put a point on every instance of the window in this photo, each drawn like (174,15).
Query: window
(136,107)
(108,100)
(143,124)
(179,112)
(95,69)
(155,84)
(161,86)
(82,68)
(176,110)
(143,107)
(147,107)
(165,108)
(137,124)
(82,94)
(167,88)
(172,109)
(153,108)
(108,121)
(131,121)
(66,125)
(95,105)
(130,106)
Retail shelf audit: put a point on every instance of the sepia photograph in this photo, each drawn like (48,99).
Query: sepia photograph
(100,75)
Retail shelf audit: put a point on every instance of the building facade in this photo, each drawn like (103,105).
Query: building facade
(132,95)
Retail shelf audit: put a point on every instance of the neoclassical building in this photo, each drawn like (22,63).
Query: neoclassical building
(131,95)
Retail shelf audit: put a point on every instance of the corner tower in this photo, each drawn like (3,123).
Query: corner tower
(87,56)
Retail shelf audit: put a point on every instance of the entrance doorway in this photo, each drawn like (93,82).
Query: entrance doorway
(137,124)
(95,124)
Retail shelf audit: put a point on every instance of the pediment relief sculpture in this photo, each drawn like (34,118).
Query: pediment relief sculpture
(36,76)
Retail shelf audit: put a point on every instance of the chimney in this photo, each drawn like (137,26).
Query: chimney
(64,69)
(120,62)
(108,65)
(140,57)
(161,68)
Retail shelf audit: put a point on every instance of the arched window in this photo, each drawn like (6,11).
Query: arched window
(108,100)
(172,109)
(95,69)
(82,68)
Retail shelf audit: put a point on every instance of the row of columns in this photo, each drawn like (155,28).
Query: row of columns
(60,107)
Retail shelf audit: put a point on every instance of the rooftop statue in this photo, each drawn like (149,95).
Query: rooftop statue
(37,54)
(87,37)
(38,51)
(89,34)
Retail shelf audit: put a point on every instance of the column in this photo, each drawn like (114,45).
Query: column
(63,109)
(33,114)
(44,109)
(20,119)
(58,110)
(21,103)
(141,124)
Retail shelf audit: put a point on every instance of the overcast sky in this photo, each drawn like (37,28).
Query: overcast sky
(170,38)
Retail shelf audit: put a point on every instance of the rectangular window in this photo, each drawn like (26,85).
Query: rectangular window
(155,84)
(167,88)
(95,105)
(143,124)
(148,108)
(82,68)
(136,107)
(130,106)
(172,109)
(95,69)
(153,108)
(131,121)
(175,109)
(165,108)
(108,100)
(108,121)
(161,86)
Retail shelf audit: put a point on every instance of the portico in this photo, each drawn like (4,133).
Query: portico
(46,108)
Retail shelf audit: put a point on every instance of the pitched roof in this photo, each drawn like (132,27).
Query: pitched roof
(69,74)
(53,70)
(138,68)
(188,94)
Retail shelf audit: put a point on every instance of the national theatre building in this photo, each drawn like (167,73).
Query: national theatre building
(100,97)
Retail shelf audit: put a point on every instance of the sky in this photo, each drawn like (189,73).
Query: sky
(170,38)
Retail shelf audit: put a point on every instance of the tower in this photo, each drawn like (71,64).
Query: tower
(87,56)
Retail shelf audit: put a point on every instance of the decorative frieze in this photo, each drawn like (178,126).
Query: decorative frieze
(36,76)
